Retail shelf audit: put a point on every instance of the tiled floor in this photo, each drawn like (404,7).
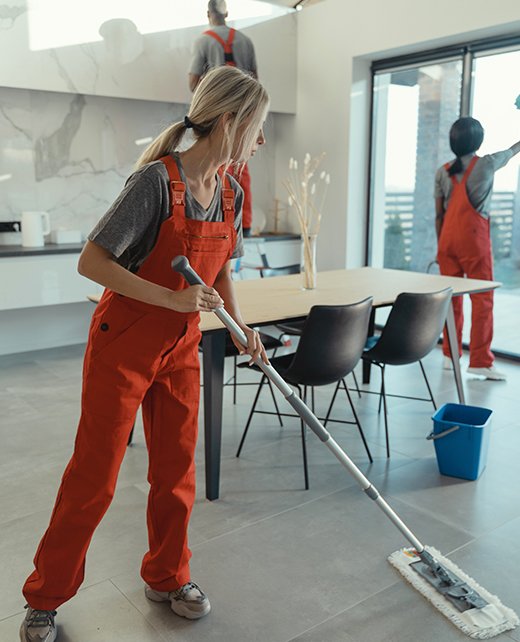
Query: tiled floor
(280,564)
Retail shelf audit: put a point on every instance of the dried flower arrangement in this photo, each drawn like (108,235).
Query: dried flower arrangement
(307,192)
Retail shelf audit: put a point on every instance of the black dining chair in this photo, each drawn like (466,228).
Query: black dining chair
(330,346)
(294,329)
(411,332)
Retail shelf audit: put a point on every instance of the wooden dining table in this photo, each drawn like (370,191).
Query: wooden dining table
(276,299)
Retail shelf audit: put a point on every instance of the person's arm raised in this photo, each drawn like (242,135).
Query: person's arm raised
(515,148)
(99,265)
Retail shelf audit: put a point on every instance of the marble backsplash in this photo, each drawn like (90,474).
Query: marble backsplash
(69,154)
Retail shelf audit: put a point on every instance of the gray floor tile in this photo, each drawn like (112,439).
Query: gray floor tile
(99,613)
(119,544)
(279,563)
(285,572)
(396,614)
(475,506)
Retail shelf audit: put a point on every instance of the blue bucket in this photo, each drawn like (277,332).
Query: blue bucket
(461,437)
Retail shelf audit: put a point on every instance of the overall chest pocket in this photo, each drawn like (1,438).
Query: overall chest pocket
(217,242)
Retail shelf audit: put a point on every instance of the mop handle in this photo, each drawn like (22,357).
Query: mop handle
(181,265)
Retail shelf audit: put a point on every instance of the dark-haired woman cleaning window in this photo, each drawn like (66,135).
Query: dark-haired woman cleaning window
(463,190)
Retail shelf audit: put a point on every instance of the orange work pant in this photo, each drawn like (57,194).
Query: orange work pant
(168,389)
(481,335)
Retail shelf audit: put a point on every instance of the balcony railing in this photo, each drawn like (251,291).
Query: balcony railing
(399,222)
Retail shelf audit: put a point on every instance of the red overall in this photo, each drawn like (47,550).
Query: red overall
(227,45)
(244,180)
(465,250)
(137,354)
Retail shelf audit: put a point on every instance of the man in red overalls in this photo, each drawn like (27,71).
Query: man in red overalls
(143,348)
(463,190)
(222,45)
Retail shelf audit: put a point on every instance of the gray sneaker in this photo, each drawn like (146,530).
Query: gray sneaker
(187,601)
(38,626)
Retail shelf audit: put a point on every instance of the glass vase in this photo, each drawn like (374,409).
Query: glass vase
(308,262)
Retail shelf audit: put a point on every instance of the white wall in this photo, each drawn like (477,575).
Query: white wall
(336,42)
(128,64)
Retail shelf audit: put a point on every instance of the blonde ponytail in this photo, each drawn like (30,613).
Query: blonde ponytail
(166,143)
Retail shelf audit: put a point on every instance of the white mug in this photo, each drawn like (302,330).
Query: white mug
(34,227)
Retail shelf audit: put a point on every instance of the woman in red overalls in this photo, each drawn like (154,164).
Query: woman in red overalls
(143,346)
(462,196)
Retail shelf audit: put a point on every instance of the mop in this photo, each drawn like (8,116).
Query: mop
(457,596)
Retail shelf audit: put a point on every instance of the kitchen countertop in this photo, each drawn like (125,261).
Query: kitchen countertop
(8,251)
(271,236)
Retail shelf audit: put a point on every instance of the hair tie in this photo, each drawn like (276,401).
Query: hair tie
(187,122)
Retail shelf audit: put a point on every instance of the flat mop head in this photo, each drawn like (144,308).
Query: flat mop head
(457,596)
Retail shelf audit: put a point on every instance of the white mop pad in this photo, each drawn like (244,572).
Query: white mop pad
(481,624)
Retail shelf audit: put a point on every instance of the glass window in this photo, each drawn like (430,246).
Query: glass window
(494,91)
(413,111)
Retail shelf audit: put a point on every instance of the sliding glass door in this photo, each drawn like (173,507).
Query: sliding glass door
(495,90)
(414,106)
(413,110)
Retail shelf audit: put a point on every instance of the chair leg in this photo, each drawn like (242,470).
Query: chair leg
(250,415)
(356,384)
(331,404)
(428,385)
(234,379)
(312,398)
(358,424)
(275,403)
(383,394)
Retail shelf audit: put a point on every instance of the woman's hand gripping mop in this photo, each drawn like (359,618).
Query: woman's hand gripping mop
(470,607)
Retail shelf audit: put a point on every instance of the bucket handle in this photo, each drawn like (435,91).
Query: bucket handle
(433,436)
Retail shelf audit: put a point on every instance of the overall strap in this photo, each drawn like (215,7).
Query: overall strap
(231,37)
(228,201)
(227,46)
(177,187)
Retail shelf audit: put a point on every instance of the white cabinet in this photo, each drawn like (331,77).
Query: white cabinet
(49,279)
(277,253)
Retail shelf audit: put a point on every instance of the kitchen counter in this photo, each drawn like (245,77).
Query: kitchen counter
(271,236)
(7,251)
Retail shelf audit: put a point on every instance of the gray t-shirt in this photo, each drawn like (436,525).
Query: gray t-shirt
(130,228)
(479,185)
(207,53)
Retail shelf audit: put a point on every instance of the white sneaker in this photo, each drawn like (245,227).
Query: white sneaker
(488,373)
(38,626)
(188,601)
